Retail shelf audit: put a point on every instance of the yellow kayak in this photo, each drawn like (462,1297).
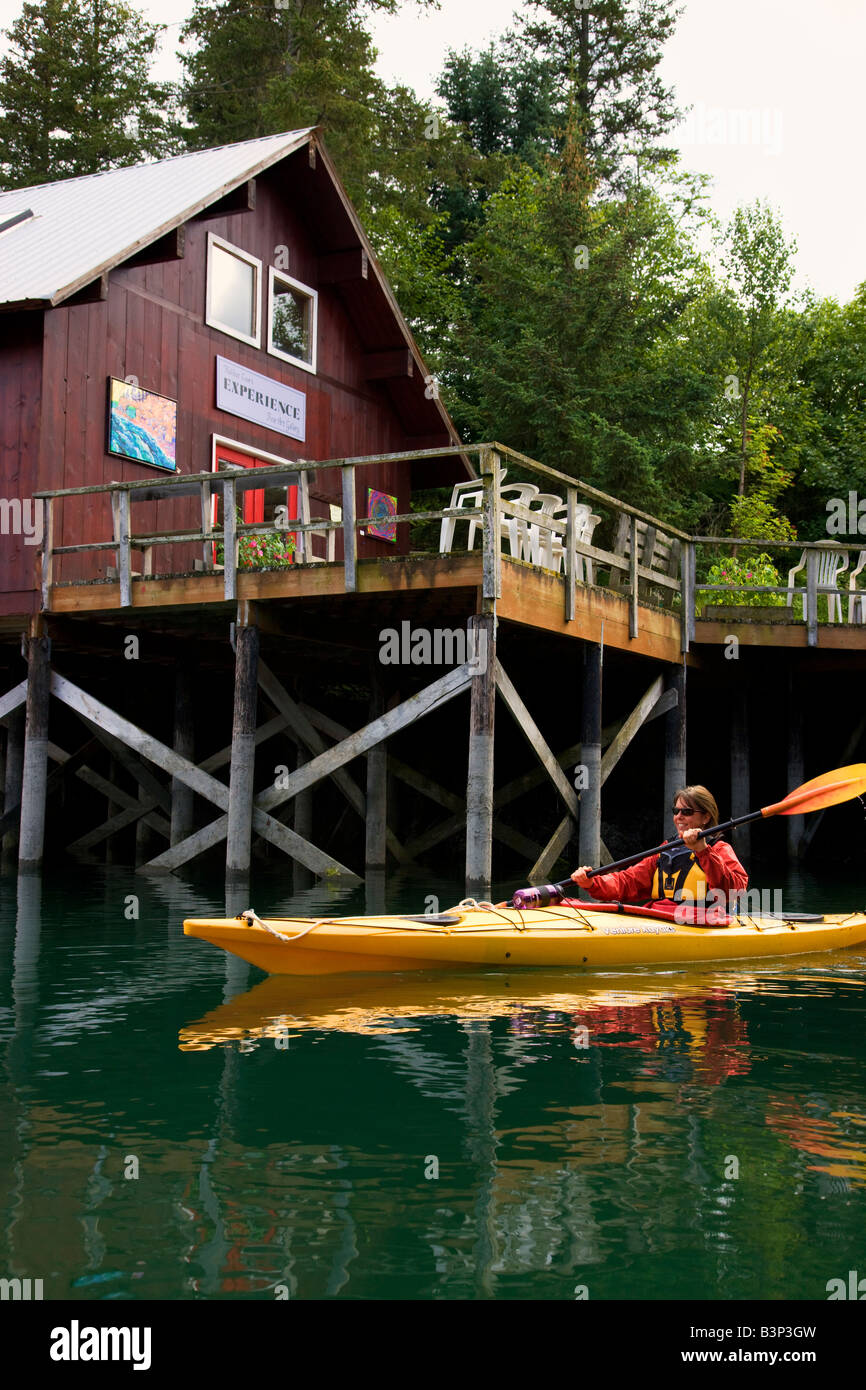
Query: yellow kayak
(583,938)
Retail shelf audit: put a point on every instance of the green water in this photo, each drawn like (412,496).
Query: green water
(175,1125)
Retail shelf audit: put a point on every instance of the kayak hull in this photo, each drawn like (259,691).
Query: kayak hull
(582,939)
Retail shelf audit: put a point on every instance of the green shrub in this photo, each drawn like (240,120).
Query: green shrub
(746,572)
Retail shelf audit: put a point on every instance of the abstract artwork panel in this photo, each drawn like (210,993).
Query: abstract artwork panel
(381,506)
(142,425)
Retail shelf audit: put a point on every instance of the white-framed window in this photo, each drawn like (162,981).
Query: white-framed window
(234,291)
(293,311)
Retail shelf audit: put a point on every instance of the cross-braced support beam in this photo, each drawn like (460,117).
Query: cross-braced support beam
(307,775)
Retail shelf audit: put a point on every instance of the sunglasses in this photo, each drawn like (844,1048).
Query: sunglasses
(684,810)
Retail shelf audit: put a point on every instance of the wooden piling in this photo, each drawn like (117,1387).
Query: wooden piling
(13,778)
(479,780)
(376,827)
(31,841)
(303,825)
(740,766)
(675,742)
(182,796)
(589,830)
(239,835)
(796,770)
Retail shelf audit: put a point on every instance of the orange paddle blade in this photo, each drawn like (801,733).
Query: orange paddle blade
(842,784)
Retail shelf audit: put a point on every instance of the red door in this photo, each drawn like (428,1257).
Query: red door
(253,502)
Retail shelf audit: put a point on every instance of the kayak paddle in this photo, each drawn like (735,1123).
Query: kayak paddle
(843,784)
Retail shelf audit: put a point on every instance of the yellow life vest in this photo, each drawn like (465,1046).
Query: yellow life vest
(677,875)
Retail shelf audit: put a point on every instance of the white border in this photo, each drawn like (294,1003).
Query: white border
(314,327)
(212,322)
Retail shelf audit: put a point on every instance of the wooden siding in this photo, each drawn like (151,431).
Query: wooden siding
(20,399)
(152,325)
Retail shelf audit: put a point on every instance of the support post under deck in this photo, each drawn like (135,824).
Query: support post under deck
(375,850)
(796,770)
(479,781)
(589,830)
(240,815)
(740,764)
(35,774)
(302,822)
(675,741)
(182,796)
(14,777)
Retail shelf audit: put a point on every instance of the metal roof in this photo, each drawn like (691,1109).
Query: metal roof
(85,226)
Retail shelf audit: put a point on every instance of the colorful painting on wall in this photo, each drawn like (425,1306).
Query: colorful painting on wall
(381,507)
(142,425)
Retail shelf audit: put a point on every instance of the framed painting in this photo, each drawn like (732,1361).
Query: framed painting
(381,507)
(142,425)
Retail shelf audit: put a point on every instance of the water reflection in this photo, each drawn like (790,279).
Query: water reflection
(428,1136)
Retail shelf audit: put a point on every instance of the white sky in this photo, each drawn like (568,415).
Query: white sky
(796,66)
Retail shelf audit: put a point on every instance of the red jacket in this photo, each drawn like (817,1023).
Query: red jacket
(719,863)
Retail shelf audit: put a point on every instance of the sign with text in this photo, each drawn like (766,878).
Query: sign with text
(260,399)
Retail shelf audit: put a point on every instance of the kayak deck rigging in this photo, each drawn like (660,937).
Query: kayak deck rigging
(482,934)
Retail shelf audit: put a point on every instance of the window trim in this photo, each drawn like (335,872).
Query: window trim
(313,296)
(209,317)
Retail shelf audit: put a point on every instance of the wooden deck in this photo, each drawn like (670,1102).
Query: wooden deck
(531,597)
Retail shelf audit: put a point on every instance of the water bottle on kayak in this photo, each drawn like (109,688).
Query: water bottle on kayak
(541,896)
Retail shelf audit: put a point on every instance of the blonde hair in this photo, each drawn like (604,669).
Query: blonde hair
(701,799)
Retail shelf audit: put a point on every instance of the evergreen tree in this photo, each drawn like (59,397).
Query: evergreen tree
(258,69)
(568,296)
(75,92)
(605,56)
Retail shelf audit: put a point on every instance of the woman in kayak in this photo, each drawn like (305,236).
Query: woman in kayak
(677,873)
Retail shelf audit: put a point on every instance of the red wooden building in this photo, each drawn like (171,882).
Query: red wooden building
(219,307)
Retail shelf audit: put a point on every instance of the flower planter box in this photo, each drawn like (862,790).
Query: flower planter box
(746,613)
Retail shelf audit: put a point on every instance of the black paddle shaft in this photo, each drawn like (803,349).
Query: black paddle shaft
(668,844)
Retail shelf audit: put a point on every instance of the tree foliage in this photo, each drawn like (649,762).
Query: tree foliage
(606,56)
(76,96)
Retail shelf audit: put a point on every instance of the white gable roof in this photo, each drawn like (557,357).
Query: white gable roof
(82,227)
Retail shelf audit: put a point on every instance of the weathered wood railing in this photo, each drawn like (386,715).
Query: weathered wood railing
(680,588)
(490,514)
(811,590)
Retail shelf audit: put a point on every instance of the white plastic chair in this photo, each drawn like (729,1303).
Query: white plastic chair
(856,599)
(586,524)
(523,495)
(305,538)
(540,537)
(830,565)
(466,495)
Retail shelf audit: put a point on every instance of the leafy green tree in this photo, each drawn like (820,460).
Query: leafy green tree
(832,369)
(568,296)
(75,92)
(759,267)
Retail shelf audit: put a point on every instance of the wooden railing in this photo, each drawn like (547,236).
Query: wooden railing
(853,598)
(679,589)
(490,514)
